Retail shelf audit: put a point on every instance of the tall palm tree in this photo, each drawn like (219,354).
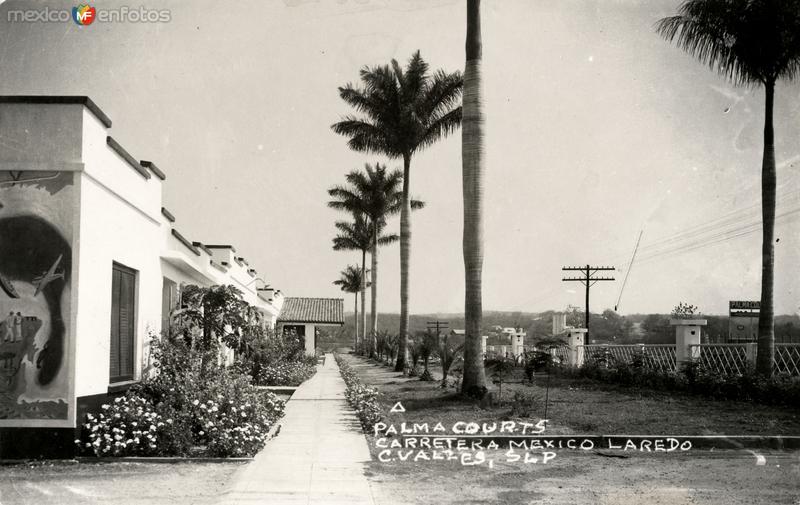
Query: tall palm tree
(474,381)
(350,281)
(754,43)
(375,193)
(403,111)
(358,235)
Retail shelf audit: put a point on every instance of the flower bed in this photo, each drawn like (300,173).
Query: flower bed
(232,429)
(191,404)
(128,427)
(362,398)
(134,425)
(291,373)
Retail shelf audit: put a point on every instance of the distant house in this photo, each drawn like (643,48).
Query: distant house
(508,342)
(502,341)
(304,316)
(514,332)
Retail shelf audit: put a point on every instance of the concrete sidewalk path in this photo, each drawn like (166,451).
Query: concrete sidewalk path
(318,456)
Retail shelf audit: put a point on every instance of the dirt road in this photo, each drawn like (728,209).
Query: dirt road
(729,478)
(114,483)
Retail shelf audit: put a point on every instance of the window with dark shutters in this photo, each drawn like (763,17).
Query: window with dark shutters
(123,319)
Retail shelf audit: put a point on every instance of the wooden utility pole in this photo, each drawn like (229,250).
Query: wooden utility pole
(588,279)
(437,326)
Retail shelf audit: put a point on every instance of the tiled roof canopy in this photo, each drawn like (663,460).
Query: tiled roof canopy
(312,310)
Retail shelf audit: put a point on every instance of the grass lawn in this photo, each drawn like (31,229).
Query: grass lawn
(576,477)
(577,406)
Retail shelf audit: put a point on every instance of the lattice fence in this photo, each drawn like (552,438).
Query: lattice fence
(722,358)
(655,357)
(561,354)
(787,358)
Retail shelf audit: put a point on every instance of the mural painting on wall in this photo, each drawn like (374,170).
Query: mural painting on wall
(36,228)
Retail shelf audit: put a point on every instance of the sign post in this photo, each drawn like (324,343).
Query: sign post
(743,320)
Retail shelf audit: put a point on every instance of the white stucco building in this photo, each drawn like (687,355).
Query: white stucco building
(90,264)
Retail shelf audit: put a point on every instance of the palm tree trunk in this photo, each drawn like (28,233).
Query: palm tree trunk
(363,299)
(474,379)
(374,286)
(766,326)
(355,318)
(405,252)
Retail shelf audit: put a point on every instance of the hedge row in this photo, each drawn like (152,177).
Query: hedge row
(363,399)
(695,379)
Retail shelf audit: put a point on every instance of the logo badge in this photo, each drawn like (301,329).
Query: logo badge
(83,14)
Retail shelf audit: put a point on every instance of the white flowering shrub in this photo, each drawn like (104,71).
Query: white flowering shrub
(182,408)
(234,417)
(233,429)
(363,399)
(129,426)
(286,373)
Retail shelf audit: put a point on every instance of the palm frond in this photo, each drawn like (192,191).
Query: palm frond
(354,235)
(368,103)
(415,79)
(342,243)
(398,74)
(746,41)
(388,239)
(444,94)
(342,195)
(441,127)
(364,136)
(349,279)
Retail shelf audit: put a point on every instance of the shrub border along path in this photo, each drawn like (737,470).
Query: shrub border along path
(272,433)
(363,399)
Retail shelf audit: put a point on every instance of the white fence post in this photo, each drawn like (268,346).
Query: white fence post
(576,340)
(687,339)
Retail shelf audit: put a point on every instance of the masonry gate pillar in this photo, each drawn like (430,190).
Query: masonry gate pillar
(687,338)
(576,338)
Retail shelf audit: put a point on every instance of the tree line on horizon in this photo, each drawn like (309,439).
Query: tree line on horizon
(611,328)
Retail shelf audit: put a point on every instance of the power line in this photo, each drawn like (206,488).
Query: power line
(752,211)
(628,271)
(730,218)
(715,238)
(703,234)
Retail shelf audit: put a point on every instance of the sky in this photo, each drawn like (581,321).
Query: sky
(596,130)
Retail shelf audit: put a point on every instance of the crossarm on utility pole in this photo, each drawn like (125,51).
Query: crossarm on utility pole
(588,279)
